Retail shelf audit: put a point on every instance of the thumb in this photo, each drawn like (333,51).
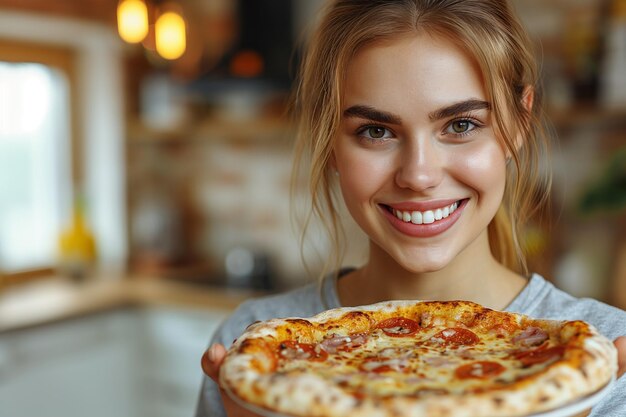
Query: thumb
(620,344)
(212,360)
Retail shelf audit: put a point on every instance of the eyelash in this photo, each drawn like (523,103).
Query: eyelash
(475,125)
(362,129)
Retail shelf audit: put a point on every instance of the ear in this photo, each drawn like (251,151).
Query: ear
(528,100)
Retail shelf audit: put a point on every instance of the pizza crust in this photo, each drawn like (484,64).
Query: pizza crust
(588,363)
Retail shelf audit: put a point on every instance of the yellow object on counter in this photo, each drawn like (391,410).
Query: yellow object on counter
(77,246)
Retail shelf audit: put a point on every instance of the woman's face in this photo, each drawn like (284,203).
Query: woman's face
(420,168)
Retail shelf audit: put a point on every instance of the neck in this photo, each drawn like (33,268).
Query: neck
(473,275)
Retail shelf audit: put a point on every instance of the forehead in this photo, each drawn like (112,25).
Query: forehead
(418,71)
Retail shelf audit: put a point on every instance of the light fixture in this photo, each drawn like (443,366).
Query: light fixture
(170,34)
(132,20)
(170,37)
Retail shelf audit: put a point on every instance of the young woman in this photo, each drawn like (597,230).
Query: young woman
(426,115)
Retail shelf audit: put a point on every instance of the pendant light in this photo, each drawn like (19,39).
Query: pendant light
(132,20)
(170,34)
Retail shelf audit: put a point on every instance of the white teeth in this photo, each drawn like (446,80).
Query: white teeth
(426,217)
(429,217)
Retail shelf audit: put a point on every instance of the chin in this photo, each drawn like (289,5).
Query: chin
(421,266)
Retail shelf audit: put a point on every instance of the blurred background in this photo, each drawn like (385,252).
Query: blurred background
(145,157)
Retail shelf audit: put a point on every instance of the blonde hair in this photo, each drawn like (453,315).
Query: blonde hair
(490,32)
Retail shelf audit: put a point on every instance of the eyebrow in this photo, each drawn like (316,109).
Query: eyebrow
(371,113)
(459,108)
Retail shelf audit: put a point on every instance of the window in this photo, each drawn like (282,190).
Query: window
(35,181)
(38,168)
(84,64)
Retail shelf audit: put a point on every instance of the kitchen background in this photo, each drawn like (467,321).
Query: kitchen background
(143,195)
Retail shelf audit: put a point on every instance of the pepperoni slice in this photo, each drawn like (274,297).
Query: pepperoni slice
(398,326)
(457,336)
(539,355)
(290,349)
(479,370)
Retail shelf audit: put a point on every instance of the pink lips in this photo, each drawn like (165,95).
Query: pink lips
(424,230)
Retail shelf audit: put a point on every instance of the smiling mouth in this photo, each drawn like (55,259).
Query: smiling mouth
(427,216)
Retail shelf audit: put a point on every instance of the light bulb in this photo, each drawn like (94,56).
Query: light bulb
(132,20)
(170,35)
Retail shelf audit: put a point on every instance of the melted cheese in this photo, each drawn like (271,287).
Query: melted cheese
(419,364)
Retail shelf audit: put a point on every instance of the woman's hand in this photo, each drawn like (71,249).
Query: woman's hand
(211,362)
(213,358)
(620,344)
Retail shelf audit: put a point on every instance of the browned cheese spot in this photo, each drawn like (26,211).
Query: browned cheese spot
(556,383)
(584,372)
(498,401)
(301,322)
(246,344)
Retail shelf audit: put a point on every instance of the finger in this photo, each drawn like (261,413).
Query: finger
(212,360)
(233,409)
(620,344)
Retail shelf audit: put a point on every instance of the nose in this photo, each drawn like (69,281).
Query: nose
(420,165)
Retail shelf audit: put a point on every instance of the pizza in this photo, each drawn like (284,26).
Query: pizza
(409,358)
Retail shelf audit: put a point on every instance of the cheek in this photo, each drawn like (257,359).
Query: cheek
(360,175)
(357,183)
(484,169)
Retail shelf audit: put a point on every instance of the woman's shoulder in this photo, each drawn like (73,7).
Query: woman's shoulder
(304,301)
(543,299)
(300,302)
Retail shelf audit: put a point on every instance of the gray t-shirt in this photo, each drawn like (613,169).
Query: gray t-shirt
(538,299)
